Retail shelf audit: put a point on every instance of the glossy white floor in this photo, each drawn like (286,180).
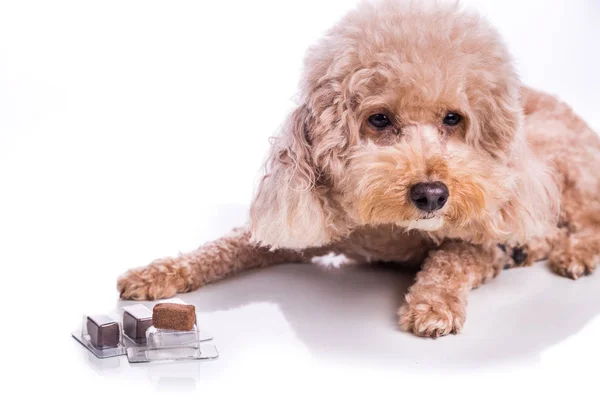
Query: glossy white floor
(135,130)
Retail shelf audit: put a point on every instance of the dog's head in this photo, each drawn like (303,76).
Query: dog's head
(410,115)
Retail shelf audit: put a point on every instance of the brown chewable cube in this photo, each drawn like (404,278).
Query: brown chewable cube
(103,331)
(136,320)
(178,317)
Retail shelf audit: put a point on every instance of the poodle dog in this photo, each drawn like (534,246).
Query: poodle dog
(414,142)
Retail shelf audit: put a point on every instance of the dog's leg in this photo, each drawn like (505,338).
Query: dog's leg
(436,303)
(165,277)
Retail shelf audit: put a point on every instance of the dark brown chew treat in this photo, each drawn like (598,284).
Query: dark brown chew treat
(103,331)
(136,320)
(178,317)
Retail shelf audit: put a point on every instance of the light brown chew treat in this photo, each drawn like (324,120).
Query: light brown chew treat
(178,317)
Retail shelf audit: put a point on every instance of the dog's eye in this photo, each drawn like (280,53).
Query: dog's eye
(452,119)
(379,121)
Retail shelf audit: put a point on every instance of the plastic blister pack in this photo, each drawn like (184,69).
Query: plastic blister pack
(137,337)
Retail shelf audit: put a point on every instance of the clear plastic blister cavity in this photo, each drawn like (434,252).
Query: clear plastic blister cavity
(198,351)
(137,319)
(173,345)
(166,338)
(101,335)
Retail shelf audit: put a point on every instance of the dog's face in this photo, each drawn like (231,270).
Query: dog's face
(410,116)
(417,160)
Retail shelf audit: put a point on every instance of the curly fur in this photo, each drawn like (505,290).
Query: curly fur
(521,167)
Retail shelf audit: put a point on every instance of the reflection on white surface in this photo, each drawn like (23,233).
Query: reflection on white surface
(102,365)
(181,376)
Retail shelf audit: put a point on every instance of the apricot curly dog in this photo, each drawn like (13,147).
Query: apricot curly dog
(414,142)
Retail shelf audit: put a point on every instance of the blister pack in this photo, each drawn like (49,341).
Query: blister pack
(169,332)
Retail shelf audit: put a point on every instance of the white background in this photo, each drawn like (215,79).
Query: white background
(132,130)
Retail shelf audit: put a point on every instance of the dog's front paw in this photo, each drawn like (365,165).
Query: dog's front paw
(432,313)
(159,280)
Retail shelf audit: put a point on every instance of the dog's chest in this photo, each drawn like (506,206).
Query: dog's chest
(387,244)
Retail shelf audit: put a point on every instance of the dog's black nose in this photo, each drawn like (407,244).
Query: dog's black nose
(429,196)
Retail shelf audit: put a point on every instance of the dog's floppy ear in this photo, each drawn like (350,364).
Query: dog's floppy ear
(497,116)
(287,211)
(534,204)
